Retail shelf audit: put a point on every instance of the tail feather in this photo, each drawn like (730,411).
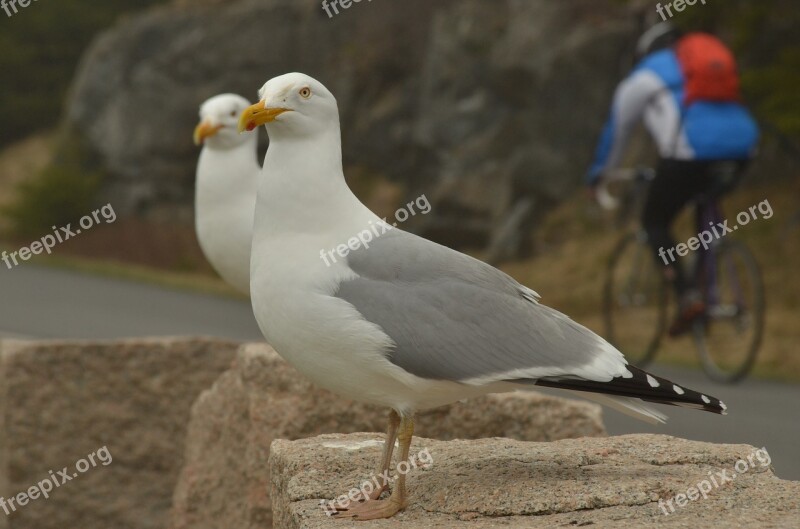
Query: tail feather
(642,385)
(631,407)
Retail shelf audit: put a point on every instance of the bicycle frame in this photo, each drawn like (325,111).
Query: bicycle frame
(710,214)
(716,274)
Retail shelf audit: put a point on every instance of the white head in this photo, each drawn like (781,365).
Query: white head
(293,105)
(219,119)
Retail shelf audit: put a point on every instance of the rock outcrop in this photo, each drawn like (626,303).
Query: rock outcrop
(60,402)
(471,102)
(114,425)
(600,483)
(225,481)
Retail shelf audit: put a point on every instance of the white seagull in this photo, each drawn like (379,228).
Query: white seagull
(225,196)
(404,323)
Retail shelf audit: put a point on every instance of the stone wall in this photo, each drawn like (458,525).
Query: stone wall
(609,483)
(225,480)
(62,401)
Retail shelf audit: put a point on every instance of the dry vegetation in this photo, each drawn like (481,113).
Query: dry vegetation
(575,244)
(22,161)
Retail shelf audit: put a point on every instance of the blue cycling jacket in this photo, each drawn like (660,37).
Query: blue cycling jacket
(653,92)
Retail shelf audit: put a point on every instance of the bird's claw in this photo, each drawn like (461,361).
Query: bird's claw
(370,510)
(360,498)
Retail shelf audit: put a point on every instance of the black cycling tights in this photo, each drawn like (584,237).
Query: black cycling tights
(677,183)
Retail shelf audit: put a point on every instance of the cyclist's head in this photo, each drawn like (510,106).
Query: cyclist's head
(662,35)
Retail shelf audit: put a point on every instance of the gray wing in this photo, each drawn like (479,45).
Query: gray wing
(455,318)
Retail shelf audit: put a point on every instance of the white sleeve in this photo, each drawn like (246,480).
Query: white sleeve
(631,99)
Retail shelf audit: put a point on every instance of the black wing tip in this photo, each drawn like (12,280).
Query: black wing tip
(645,386)
(688,398)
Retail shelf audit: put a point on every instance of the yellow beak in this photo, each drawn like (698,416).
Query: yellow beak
(258,115)
(204,131)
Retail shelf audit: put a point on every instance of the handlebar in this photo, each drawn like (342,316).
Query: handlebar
(604,197)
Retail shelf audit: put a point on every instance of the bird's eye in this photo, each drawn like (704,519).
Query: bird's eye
(233,113)
(305,92)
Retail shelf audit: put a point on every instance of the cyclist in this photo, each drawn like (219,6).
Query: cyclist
(685,88)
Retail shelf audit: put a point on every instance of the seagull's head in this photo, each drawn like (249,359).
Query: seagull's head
(219,119)
(292,105)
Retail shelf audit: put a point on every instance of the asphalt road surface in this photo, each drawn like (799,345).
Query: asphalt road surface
(40,302)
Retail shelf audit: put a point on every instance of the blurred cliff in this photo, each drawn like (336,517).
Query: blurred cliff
(472,102)
(470,96)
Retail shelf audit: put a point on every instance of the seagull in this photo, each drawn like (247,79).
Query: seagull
(227,181)
(404,323)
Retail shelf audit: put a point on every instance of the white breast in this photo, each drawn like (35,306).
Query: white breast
(224,207)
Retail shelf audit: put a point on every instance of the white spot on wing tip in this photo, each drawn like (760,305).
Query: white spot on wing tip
(652,381)
(705,399)
(678,389)
(722,405)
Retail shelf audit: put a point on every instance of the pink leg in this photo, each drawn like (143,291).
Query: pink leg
(374,509)
(386,460)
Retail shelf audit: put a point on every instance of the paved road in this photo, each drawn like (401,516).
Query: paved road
(49,303)
(46,303)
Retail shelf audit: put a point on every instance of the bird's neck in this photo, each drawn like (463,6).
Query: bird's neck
(302,186)
(223,169)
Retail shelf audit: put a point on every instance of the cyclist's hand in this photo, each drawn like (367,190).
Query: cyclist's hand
(592,190)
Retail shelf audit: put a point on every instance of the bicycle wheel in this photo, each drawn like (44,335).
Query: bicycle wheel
(729,336)
(634,301)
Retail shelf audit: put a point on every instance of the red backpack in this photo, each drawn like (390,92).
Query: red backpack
(709,69)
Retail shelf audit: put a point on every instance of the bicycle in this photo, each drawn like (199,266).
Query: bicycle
(636,292)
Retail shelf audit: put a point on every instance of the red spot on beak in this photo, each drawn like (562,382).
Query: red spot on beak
(251,126)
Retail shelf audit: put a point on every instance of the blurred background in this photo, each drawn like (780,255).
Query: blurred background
(475,103)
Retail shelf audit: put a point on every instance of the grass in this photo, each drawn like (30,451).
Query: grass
(18,164)
(60,192)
